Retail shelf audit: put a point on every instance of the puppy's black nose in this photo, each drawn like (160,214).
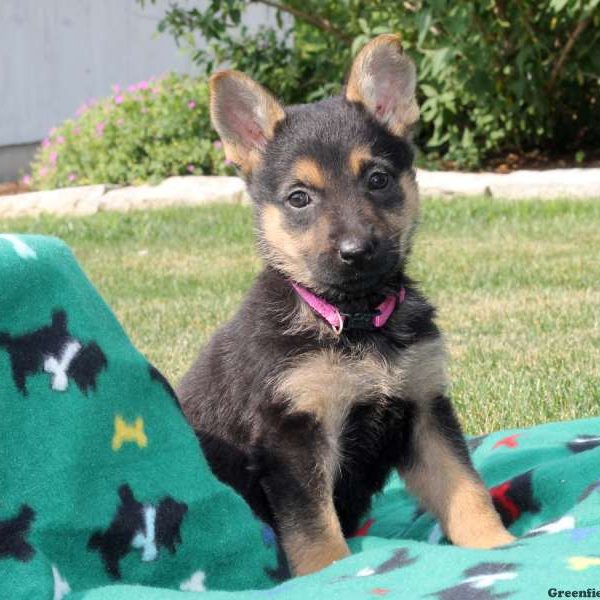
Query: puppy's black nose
(355,249)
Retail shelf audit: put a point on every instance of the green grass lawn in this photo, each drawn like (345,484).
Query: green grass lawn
(517,285)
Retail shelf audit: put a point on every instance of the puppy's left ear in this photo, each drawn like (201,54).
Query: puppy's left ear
(383,79)
(245,115)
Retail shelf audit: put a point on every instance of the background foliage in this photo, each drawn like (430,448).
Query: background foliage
(496,76)
(149,131)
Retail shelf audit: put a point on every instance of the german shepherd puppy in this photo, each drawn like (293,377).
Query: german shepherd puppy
(332,373)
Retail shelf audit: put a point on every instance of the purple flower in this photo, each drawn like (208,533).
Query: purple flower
(116,88)
(71,177)
(100,128)
(131,88)
(26,180)
(53,157)
(217,145)
(60,139)
(228,162)
(119,98)
(191,104)
(142,85)
(45,143)
(191,168)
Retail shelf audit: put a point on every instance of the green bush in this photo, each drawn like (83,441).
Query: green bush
(149,131)
(495,76)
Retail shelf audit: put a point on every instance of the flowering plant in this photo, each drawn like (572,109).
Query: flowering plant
(148,131)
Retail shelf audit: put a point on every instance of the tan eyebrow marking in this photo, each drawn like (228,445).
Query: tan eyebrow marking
(358,156)
(308,171)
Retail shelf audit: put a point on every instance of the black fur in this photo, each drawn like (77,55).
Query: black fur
(281,571)
(251,436)
(328,131)
(243,431)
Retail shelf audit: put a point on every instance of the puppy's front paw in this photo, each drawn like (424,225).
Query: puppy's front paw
(317,555)
(502,538)
(488,539)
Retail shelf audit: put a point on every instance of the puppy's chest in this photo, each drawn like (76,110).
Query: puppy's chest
(328,383)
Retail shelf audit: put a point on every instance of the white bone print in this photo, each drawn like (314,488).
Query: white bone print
(20,247)
(147,539)
(58,367)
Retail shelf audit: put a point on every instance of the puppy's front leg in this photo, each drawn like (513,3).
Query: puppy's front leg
(297,481)
(312,539)
(441,475)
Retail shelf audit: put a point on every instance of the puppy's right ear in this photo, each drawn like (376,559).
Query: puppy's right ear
(245,116)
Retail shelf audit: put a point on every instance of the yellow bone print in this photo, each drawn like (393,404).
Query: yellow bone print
(581,563)
(129,433)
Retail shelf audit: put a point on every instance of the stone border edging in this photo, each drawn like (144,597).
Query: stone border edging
(554,183)
(194,190)
(90,199)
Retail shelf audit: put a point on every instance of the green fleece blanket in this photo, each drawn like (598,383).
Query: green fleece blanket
(104,494)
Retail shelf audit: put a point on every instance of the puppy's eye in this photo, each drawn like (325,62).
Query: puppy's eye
(299,199)
(378,180)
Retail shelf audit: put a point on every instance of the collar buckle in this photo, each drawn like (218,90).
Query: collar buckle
(363,321)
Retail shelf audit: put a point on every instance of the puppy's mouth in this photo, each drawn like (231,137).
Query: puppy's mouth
(354,284)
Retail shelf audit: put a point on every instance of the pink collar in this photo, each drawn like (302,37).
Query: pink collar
(337,320)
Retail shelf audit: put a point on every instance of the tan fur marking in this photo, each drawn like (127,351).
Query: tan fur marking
(404,221)
(358,72)
(358,156)
(308,171)
(288,250)
(328,384)
(362,86)
(455,495)
(316,239)
(267,111)
(318,547)
(281,248)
